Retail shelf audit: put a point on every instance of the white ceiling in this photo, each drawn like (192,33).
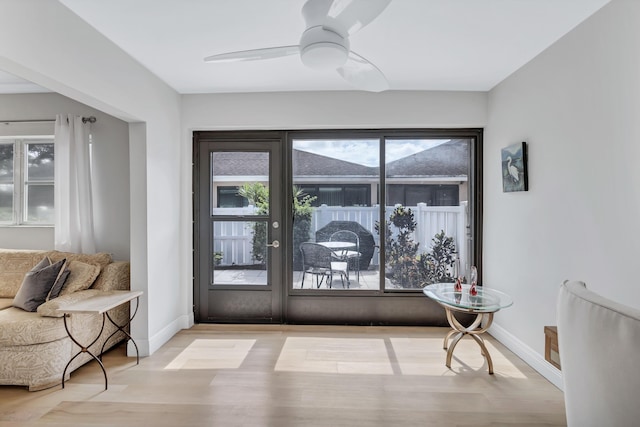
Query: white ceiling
(417,44)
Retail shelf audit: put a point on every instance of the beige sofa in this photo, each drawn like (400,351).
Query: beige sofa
(34,346)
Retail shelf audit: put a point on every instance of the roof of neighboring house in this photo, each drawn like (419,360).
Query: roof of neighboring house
(448,159)
(234,163)
(309,164)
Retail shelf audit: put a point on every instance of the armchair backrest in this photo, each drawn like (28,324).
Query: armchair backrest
(315,255)
(599,346)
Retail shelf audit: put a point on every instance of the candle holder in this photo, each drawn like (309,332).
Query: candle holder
(474,281)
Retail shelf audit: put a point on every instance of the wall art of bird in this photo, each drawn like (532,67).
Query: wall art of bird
(513,171)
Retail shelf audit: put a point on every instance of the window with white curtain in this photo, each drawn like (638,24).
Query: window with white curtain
(26,181)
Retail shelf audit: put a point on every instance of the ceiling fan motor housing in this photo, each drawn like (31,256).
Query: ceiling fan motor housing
(322,48)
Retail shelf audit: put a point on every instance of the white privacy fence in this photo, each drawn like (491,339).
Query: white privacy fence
(430,221)
(234,239)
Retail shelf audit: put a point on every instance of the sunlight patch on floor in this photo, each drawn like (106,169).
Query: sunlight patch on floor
(425,356)
(213,354)
(334,355)
(420,356)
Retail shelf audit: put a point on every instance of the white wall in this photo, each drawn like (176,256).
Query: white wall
(44,42)
(333,110)
(110,147)
(577,106)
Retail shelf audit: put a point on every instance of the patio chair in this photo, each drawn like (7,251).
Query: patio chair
(318,261)
(350,255)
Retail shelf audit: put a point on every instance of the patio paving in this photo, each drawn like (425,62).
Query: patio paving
(369,279)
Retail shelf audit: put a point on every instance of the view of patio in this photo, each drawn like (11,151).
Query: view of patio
(424,222)
(369,280)
(234,244)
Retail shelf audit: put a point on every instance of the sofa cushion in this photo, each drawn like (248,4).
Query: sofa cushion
(81,276)
(19,327)
(101,259)
(14,264)
(37,284)
(5,302)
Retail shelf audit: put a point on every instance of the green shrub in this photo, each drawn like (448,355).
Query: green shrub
(404,264)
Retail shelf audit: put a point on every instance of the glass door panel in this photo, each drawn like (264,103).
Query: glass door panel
(239,256)
(336,206)
(426,210)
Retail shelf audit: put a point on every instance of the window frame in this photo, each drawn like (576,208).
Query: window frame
(473,228)
(21,183)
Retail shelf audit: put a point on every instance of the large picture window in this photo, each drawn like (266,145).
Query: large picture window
(393,208)
(26,182)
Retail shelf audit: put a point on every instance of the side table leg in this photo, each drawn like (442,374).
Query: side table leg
(121,329)
(84,349)
(446,338)
(485,352)
(452,347)
(474,330)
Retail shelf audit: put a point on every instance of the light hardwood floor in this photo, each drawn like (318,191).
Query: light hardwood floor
(233,375)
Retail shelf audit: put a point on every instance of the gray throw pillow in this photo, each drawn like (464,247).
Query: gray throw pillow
(59,283)
(36,285)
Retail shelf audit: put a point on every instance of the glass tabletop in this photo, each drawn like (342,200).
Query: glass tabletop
(487,300)
(338,245)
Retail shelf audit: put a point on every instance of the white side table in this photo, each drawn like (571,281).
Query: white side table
(100,304)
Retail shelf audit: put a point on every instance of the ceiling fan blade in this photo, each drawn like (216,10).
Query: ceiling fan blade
(315,12)
(254,54)
(351,15)
(363,74)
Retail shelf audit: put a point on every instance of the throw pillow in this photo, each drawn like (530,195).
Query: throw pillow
(36,285)
(59,283)
(81,277)
(101,258)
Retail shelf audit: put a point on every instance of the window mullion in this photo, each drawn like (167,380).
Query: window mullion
(24,166)
(17,181)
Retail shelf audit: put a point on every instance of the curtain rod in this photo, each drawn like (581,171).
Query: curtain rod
(90,119)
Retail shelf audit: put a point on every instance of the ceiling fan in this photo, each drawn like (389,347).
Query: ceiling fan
(325,42)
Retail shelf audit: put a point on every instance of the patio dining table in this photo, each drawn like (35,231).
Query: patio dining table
(338,246)
(339,250)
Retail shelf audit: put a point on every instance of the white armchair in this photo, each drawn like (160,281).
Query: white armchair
(599,345)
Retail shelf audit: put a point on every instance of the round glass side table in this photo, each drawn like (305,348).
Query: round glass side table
(483,305)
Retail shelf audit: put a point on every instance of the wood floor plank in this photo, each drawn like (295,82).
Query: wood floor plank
(283,375)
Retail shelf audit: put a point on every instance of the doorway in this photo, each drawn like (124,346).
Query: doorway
(261,195)
(238,227)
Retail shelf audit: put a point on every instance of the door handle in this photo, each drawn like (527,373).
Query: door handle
(274,244)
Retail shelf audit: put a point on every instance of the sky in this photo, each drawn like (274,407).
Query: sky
(365,151)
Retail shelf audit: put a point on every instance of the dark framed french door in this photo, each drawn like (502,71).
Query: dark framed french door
(238,227)
(260,195)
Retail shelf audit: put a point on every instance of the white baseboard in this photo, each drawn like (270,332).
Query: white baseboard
(150,346)
(526,353)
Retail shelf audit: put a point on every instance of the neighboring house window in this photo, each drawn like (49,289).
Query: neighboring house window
(432,195)
(338,195)
(228,197)
(26,181)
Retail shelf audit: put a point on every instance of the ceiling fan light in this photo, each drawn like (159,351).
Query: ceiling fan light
(322,48)
(324,55)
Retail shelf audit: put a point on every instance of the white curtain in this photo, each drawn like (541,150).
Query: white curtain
(73,201)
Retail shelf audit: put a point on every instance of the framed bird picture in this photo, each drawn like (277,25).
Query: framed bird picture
(514,168)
